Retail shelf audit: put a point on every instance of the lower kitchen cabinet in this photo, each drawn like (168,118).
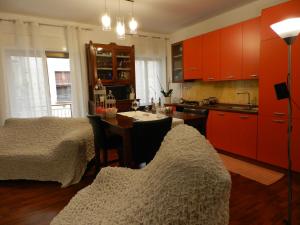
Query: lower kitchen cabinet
(233,132)
(273,142)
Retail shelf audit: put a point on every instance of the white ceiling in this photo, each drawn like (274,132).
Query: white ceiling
(158,16)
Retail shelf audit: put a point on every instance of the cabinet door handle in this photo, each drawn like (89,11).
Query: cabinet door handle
(221,114)
(253,75)
(278,114)
(230,77)
(210,78)
(244,117)
(278,121)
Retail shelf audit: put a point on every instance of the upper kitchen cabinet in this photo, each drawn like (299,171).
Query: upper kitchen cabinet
(251,48)
(177,62)
(192,58)
(275,14)
(231,52)
(211,56)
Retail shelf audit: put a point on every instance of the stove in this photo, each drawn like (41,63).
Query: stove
(187,102)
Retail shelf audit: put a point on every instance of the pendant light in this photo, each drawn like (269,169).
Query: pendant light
(120,26)
(132,22)
(105,19)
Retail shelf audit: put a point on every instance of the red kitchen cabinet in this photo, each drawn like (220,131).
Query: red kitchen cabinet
(245,136)
(296,145)
(192,58)
(272,140)
(233,132)
(273,70)
(296,78)
(211,56)
(251,48)
(277,13)
(220,130)
(231,52)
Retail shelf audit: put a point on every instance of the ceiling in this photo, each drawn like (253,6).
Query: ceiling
(157,16)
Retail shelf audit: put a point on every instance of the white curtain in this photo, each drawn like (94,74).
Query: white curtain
(150,68)
(78,74)
(24,82)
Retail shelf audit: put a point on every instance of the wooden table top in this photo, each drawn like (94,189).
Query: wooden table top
(126,122)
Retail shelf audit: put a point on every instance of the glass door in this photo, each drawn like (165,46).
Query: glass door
(104,64)
(123,65)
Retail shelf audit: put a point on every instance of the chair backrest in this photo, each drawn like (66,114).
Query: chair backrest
(201,125)
(98,126)
(147,137)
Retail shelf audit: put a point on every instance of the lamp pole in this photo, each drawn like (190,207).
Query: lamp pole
(288,30)
(289,80)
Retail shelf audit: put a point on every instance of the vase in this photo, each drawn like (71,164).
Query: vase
(168,100)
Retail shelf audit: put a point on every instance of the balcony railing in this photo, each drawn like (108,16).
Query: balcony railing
(62,110)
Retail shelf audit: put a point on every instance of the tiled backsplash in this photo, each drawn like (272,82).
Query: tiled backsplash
(225,91)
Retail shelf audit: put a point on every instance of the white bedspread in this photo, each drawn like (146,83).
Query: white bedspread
(185,183)
(45,149)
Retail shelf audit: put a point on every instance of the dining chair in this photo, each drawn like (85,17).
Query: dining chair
(147,137)
(199,125)
(104,141)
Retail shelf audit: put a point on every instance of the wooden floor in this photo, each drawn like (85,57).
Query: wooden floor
(36,203)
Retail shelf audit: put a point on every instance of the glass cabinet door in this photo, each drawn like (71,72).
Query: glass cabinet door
(177,68)
(104,64)
(123,65)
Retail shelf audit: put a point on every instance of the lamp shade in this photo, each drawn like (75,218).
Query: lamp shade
(287,28)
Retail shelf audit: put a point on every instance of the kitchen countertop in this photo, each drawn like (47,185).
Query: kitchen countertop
(223,107)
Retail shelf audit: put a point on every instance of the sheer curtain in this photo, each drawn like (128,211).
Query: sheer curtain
(150,68)
(24,82)
(78,75)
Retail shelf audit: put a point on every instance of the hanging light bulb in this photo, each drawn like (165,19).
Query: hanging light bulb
(105,20)
(132,22)
(120,28)
(133,25)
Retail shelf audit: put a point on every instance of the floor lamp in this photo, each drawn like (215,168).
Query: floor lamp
(288,30)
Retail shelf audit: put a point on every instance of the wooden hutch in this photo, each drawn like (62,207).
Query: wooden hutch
(114,65)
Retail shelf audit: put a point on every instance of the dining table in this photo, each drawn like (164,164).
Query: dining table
(122,125)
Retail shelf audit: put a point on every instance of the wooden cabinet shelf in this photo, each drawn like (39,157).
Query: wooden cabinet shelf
(114,65)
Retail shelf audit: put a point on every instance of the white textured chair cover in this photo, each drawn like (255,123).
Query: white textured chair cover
(45,149)
(186,183)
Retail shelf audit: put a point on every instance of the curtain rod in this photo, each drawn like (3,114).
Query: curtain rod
(43,24)
(88,29)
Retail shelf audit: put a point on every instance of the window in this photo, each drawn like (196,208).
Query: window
(148,79)
(60,83)
(63,86)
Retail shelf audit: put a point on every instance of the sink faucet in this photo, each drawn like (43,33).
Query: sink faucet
(245,93)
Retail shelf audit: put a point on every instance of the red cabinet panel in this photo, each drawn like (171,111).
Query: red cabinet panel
(211,56)
(233,132)
(273,70)
(231,52)
(272,140)
(277,13)
(251,48)
(245,135)
(192,58)
(220,133)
